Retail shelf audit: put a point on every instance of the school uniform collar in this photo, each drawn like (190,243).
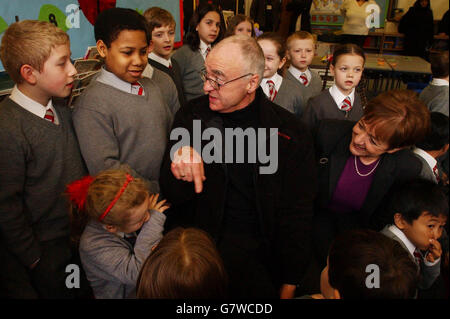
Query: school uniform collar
(408,244)
(431,161)
(148,71)
(277,80)
(113,80)
(296,73)
(338,97)
(203,47)
(31,105)
(439,82)
(157,58)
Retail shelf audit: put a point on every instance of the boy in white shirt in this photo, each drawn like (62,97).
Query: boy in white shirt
(420,212)
(162,28)
(300,53)
(436,94)
(434,146)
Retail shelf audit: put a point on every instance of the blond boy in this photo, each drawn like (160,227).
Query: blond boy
(300,52)
(39,156)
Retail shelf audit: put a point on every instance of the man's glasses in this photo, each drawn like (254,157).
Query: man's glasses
(216,85)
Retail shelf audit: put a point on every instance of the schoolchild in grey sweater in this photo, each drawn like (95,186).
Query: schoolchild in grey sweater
(122,118)
(116,128)
(112,263)
(313,88)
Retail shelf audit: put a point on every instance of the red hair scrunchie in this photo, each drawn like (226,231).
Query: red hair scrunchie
(77,191)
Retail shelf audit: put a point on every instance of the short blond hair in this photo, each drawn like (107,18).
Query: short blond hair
(300,35)
(29,42)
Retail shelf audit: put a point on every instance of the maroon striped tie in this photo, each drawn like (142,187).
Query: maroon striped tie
(346,105)
(418,257)
(304,79)
(138,87)
(49,116)
(272,91)
(436,172)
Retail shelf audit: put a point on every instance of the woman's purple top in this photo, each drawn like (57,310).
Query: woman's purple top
(352,189)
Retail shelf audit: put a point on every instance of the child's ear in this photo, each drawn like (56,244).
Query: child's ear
(282,62)
(399,221)
(288,55)
(110,228)
(332,69)
(27,73)
(102,48)
(150,47)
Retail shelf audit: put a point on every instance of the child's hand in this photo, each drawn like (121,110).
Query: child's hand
(153,203)
(435,250)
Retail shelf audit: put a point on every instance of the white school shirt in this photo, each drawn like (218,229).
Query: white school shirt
(431,161)
(203,49)
(157,58)
(439,82)
(148,71)
(110,78)
(276,78)
(338,97)
(31,105)
(409,245)
(296,73)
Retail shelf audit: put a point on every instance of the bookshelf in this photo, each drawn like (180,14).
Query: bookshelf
(380,42)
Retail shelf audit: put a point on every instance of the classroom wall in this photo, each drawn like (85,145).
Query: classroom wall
(439,7)
(68,17)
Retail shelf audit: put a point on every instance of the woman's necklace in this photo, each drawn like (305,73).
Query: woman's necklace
(367,174)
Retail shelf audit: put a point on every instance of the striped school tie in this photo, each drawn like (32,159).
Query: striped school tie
(49,116)
(304,79)
(208,49)
(136,88)
(346,105)
(272,91)
(436,172)
(418,257)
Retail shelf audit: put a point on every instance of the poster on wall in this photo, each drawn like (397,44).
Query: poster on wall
(77,18)
(328,12)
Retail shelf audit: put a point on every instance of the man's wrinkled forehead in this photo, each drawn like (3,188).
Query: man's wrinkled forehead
(224,60)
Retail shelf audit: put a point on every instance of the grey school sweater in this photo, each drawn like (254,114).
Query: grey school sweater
(289,98)
(116,128)
(112,265)
(37,160)
(436,98)
(190,63)
(323,107)
(307,92)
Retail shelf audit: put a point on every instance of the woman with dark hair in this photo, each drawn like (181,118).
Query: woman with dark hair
(417,25)
(359,162)
(206,28)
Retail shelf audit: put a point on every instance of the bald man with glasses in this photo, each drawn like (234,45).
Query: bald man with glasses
(261,222)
